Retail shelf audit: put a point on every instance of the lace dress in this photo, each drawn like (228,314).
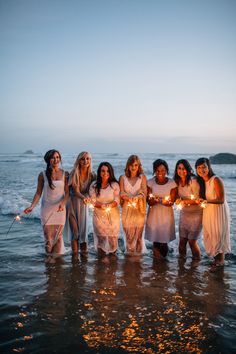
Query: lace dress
(50,217)
(133,217)
(216,223)
(106,224)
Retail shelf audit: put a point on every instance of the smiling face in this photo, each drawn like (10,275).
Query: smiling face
(203,171)
(181,171)
(104,173)
(85,160)
(161,173)
(55,160)
(134,167)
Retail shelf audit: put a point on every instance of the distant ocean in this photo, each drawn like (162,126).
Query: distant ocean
(115,305)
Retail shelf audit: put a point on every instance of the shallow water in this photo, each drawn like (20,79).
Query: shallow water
(116,304)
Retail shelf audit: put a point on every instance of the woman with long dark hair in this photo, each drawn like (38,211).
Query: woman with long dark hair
(190,220)
(216,217)
(160,224)
(79,182)
(133,188)
(53,187)
(104,193)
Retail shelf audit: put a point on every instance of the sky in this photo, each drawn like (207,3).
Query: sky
(118,76)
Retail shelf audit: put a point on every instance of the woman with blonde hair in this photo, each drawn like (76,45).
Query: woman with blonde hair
(133,193)
(79,182)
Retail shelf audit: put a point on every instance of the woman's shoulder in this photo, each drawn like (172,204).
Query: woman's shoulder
(151,180)
(115,184)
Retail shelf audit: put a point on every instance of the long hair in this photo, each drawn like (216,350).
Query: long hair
(158,163)
(47,157)
(201,181)
(112,178)
(130,161)
(187,167)
(74,178)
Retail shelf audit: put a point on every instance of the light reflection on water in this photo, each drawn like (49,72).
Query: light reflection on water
(124,305)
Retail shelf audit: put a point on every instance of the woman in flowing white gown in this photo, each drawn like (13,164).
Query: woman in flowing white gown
(53,187)
(79,182)
(190,219)
(133,193)
(216,216)
(160,223)
(104,194)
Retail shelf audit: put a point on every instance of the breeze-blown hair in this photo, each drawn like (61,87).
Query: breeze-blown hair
(130,161)
(112,178)
(158,163)
(187,167)
(47,157)
(74,179)
(201,181)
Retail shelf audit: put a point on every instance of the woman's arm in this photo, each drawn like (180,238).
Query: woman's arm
(123,194)
(37,195)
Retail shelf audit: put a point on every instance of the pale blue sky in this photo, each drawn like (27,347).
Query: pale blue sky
(118,75)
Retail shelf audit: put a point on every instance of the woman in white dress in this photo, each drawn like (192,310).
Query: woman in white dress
(216,217)
(53,187)
(160,224)
(190,219)
(79,182)
(133,193)
(104,193)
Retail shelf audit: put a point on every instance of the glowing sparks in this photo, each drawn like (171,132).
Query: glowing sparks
(108,210)
(192,197)
(179,206)
(203,204)
(16,218)
(91,206)
(167,198)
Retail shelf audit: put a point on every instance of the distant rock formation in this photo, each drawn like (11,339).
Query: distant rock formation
(29,152)
(223,158)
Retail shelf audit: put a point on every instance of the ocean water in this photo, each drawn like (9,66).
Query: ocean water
(117,304)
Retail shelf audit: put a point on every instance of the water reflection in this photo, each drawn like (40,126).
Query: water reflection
(130,304)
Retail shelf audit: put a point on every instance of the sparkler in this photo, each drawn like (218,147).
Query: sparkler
(203,204)
(16,218)
(179,206)
(167,198)
(192,197)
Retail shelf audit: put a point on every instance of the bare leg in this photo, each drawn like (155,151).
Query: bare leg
(183,246)
(83,248)
(156,251)
(220,258)
(74,247)
(195,249)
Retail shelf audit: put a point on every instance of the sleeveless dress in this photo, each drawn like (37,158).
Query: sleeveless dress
(216,223)
(160,224)
(190,219)
(133,217)
(106,225)
(51,199)
(79,211)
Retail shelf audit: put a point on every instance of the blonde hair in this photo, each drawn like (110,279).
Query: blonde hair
(130,161)
(74,179)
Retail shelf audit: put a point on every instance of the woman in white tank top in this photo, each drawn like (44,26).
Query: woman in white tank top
(53,187)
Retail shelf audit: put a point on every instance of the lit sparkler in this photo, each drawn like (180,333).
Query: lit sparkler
(16,218)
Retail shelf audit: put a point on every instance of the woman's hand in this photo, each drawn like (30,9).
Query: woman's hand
(60,207)
(28,210)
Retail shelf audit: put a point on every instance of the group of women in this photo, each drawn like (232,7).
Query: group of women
(200,200)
